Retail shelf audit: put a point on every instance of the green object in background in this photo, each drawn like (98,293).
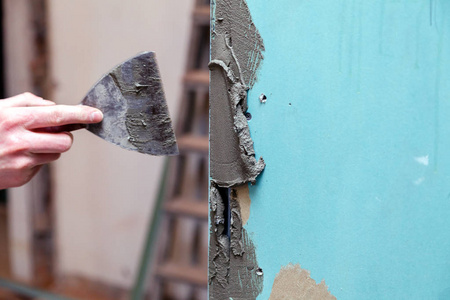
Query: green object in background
(147,254)
(27,291)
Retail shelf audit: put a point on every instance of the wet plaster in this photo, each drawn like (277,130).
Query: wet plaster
(295,283)
(136,116)
(236,53)
(233,268)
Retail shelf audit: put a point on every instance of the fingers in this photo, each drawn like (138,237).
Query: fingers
(58,115)
(44,158)
(56,129)
(20,169)
(42,142)
(22,177)
(25,100)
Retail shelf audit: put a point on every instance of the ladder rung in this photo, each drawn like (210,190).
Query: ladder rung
(193,143)
(183,273)
(187,207)
(201,15)
(197,78)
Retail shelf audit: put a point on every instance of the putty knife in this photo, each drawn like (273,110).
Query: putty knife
(135,113)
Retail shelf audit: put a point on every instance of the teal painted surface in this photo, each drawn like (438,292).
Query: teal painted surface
(356,136)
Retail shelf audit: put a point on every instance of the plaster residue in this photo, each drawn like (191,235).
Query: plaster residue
(294,283)
(132,100)
(236,53)
(233,269)
(147,118)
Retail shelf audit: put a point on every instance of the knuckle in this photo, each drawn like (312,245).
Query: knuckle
(23,164)
(28,95)
(19,144)
(19,118)
(15,144)
(56,117)
(5,123)
(9,120)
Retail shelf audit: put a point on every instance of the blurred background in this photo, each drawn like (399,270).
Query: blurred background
(82,228)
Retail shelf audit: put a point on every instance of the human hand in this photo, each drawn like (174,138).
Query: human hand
(30,135)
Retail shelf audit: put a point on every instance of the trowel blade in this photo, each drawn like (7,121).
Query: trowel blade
(135,113)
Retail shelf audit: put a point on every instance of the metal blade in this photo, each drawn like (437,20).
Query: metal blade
(135,113)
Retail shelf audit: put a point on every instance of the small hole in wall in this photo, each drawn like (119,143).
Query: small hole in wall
(248,116)
(259,272)
(226,218)
(262,98)
(290,104)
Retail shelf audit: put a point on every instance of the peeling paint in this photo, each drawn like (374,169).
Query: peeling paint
(295,283)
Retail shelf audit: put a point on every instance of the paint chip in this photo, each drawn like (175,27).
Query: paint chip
(423,160)
(294,283)
(419,181)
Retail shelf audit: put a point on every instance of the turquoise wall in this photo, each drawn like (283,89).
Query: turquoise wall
(356,136)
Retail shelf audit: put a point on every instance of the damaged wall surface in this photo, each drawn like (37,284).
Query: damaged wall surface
(236,53)
(349,104)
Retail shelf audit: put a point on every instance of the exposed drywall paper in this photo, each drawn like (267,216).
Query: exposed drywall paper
(295,283)
(233,268)
(243,197)
(236,52)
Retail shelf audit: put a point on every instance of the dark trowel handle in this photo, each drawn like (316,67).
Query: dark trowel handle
(63,128)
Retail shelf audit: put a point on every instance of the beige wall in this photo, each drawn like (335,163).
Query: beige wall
(103,193)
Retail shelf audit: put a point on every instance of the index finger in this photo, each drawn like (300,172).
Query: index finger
(25,99)
(58,115)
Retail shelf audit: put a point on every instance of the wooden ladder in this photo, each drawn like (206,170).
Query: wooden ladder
(179,268)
